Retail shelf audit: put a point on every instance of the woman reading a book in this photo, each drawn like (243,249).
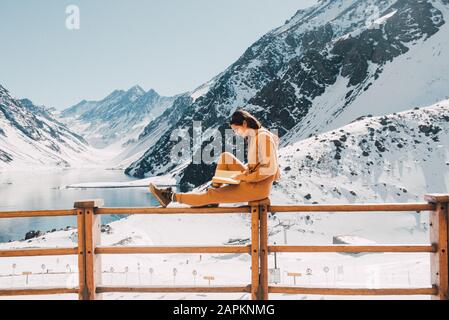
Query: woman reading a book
(246,182)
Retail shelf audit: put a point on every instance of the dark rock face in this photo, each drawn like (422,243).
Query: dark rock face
(5,156)
(280,75)
(282,107)
(429,129)
(33,234)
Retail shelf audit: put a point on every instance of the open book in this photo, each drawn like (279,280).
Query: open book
(224,176)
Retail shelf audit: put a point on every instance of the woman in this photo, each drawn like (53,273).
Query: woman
(256,178)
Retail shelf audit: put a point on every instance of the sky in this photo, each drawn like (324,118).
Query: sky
(172,46)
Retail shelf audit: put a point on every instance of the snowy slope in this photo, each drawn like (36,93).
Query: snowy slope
(31,136)
(394,158)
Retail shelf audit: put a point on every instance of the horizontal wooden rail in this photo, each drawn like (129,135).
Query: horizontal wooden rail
(354,207)
(158,289)
(353,291)
(37,213)
(353,249)
(171,249)
(38,252)
(159,210)
(36,291)
(240,209)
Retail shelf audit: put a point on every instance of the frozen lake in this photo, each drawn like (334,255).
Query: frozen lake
(44,189)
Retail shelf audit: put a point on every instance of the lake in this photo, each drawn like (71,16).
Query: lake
(44,189)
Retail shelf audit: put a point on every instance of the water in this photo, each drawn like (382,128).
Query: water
(43,189)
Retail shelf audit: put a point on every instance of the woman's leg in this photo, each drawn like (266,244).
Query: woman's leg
(243,192)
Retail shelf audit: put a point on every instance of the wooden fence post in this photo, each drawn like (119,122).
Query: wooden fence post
(254,251)
(82,293)
(259,249)
(89,237)
(263,214)
(438,221)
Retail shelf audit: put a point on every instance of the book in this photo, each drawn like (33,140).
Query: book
(225,176)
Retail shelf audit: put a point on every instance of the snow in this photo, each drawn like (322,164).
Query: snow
(329,182)
(419,165)
(202,90)
(426,68)
(35,140)
(127,112)
(384,19)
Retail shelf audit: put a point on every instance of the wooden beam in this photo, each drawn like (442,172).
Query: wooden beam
(158,289)
(172,249)
(36,291)
(254,252)
(82,293)
(159,210)
(37,213)
(91,203)
(262,202)
(439,260)
(34,252)
(437,197)
(393,207)
(89,233)
(263,213)
(93,261)
(353,291)
(353,249)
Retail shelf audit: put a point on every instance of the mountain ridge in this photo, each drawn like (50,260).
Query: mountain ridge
(117,118)
(30,135)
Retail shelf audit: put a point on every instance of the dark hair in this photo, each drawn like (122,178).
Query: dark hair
(241,115)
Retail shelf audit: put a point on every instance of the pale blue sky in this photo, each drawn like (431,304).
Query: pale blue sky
(169,45)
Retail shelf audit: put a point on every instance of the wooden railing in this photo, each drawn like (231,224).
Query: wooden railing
(89,249)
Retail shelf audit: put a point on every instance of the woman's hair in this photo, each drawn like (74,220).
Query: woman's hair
(241,115)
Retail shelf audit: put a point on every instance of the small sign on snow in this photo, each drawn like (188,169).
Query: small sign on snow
(274,275)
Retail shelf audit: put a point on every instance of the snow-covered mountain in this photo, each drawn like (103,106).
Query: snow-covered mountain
(152,132)
(394,158)
(117,119)
(328,65)
(30,135)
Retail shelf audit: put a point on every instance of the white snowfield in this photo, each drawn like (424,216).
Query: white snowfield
(310,173)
